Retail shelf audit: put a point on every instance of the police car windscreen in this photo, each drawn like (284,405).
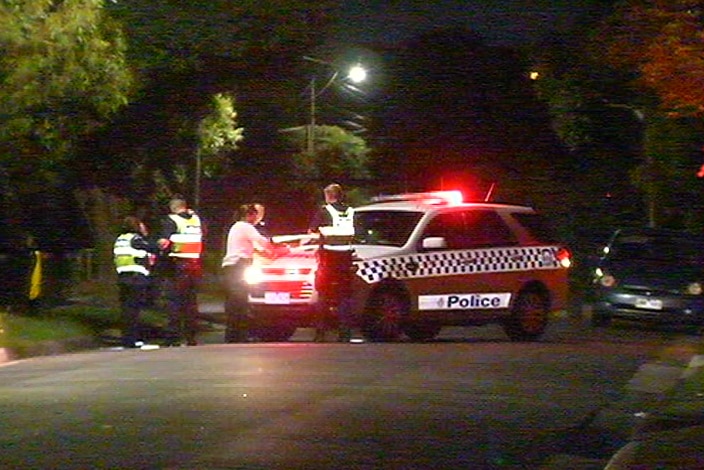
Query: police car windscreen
(388,228)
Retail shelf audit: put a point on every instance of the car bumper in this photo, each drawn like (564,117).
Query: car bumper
(669,309)
(301,315)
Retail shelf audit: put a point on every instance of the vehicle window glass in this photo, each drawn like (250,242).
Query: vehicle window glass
(658,247)
(450,226)
(538,226)
(485,228)
(384,227)
(470,229)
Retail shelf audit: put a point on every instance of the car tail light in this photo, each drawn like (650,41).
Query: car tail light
(564,257)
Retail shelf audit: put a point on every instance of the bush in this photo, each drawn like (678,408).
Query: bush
(19,332)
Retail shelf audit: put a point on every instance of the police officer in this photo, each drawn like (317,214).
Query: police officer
(181,267)
(134,257)
(334,223)
(335,213)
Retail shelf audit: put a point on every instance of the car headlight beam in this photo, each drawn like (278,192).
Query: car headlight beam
(695,288)
(607,280)
(253,275)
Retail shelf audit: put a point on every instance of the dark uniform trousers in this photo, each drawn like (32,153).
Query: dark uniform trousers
(133,292)
(181,298)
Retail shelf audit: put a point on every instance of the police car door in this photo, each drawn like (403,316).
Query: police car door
(465,274)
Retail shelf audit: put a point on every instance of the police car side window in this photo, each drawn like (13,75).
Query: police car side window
(485,228)
(449,226)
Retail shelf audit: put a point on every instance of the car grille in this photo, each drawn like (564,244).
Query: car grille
(286,271)
(298,290)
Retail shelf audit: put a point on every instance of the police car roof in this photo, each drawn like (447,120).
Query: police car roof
(432,200)
(422,207)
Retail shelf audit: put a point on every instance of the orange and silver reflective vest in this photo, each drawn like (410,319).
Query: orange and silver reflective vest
(129,259)
(187,242)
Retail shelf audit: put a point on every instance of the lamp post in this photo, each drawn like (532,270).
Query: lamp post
(311,125)
(356,74)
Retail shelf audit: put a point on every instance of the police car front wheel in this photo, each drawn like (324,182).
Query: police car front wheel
(422,331)
(273,334)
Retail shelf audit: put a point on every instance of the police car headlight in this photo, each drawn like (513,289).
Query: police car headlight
(253,275)
(695,288)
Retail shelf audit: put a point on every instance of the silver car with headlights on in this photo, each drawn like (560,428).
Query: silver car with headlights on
(650,275)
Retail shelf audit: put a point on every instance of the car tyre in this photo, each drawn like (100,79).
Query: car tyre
(529,316)
(422,331)
(274,334)
(600,320)
(382,320)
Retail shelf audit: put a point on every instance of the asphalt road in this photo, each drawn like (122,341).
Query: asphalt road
(471,399)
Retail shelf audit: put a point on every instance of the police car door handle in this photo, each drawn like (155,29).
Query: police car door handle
(517,258)
(412,266)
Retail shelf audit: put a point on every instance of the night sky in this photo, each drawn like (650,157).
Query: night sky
(507,22)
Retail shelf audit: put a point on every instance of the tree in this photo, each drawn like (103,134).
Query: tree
(184,53)
(623,101)
(63,74)
(338,156)
(179,35)
(217,132)
(662,41)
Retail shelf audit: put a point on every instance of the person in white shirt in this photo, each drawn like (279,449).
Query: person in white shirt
(243,240)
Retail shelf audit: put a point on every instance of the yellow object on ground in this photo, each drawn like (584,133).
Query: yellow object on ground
(35,283)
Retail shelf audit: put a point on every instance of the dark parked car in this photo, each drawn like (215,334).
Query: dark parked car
(650,275)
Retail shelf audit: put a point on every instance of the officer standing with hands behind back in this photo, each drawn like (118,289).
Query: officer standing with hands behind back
(181,242)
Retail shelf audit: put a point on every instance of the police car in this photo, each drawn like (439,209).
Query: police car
(423,261)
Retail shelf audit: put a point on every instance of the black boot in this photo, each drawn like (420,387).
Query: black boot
(344,335)
(319,335)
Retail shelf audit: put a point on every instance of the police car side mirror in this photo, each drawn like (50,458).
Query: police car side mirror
(434,243)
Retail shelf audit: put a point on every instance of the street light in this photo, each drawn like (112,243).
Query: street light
(356,74)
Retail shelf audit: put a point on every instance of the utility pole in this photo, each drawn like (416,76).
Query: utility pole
(311,125)
(356,74)
(199,170)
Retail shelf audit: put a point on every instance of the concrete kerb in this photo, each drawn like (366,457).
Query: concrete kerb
(640,415)
(671,436)
(682,406)
(47,348)
(695,367)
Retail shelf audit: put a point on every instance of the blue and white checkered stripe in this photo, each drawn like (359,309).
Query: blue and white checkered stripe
(449,263)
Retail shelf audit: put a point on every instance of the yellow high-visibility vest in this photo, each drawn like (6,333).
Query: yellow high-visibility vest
(127,258)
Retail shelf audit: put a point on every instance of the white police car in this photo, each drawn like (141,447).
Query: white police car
(423,261)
